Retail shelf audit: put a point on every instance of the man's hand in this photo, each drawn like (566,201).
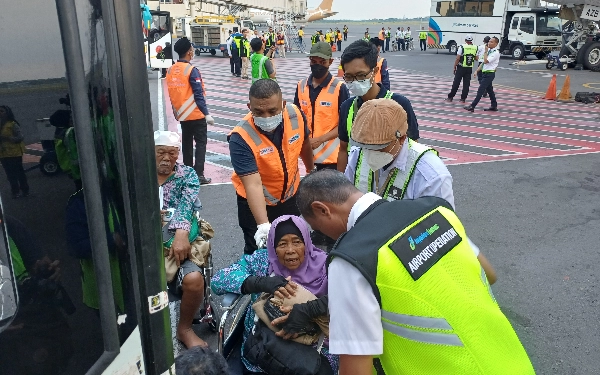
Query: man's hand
(47,268)
(286,291)
(261,235)
(209,120)
(181,247)
(316,142)
(300,316)
(475,75)
(454,71)
(486,48)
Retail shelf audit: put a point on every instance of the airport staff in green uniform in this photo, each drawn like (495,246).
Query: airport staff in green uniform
(262,67)
(405,279)
(423,39)
(466,55)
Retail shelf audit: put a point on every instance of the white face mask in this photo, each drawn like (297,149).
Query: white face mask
(268,124)
(377,159)
(359,88)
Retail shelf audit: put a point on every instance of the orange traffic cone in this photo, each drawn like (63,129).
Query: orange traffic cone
(340,71)
(333,48)
(565,92)
(551,93)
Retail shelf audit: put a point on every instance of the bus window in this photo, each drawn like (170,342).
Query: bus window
(465,8)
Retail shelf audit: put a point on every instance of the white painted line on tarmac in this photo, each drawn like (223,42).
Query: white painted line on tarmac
(161,112)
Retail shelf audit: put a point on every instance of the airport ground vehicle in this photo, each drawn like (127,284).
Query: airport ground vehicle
(209,33)
(524,27)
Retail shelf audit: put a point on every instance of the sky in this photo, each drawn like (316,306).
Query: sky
(364,9)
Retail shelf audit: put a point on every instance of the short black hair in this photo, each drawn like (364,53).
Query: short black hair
(256,44)
(497,40)
(264,89)
(361,49)
(486,39)
(326,185)
(200,361)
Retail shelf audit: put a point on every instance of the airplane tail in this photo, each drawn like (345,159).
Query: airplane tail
(326,5)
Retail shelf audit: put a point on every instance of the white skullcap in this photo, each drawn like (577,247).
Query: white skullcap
(166,138)
(469,38)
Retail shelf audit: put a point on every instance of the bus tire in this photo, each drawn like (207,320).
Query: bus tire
(517,52)
(591,55)
(213,52)
(452,48)
(197,51)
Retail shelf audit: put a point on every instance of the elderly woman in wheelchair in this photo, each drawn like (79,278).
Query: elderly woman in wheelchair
(285,327)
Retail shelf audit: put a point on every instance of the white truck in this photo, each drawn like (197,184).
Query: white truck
(523,26)
(209,34)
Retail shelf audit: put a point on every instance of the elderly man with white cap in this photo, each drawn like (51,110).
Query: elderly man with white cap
(384,161)
(466,55)
(179,188)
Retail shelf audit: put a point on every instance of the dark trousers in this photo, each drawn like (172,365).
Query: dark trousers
(387,44)
(423,44)
(400,43)
(13,166)
(339,45)
(248,224)
(194,130)
(232,65)
(462,74)
(485,86)
(237,65)
(345,36)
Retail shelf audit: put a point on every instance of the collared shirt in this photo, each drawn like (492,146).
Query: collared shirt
(352,302)
(413,125)
(196,83)
(313,92)
(399,34)
(480,52)
(493,60)
(431,177)
(180,192)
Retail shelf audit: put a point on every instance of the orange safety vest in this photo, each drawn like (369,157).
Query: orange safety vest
(323,118)
(339,36)
(279,173)
(379,65)
(181,93)
(381,35)
(280,41)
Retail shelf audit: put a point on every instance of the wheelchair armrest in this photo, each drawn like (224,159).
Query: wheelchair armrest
(230,300)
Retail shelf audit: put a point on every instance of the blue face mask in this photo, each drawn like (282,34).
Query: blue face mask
(268,124)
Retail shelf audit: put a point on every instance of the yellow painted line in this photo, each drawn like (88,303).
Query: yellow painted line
(592,85)
(523,90)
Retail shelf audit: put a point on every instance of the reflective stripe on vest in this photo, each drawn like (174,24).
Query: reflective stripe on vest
(378,75)
(444,319)
(364,177)
(181,93)
(257,62)
(270,165)
(468,55)
(323,118)
(353,110)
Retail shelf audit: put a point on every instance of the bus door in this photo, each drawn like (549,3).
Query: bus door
(82,276)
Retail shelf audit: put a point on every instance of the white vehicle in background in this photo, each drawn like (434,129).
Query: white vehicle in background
(523,26)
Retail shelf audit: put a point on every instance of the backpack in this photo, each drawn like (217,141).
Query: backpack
(587,97)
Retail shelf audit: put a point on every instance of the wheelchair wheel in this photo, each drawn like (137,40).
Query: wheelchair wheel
(213,324)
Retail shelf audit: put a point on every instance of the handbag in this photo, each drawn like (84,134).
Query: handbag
(275,355)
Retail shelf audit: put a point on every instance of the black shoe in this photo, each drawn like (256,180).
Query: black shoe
(491,109)
(204,180)
(462,101)
(238,75)
(449,100)
(16,195)
(469,108)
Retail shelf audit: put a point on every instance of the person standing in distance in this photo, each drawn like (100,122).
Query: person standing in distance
(186,90)
(407,283)
(264,148)
(381,37)
(345,33)
(480,52)
(301,37)
(234,49)
(245,52)
(388,36)
(359,62)
(261,64)
(338,38)
(423,39)
(400,38)
(491,58)
(466,55)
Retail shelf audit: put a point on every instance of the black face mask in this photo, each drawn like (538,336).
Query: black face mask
(319,71)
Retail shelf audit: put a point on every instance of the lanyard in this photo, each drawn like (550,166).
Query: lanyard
(386,186)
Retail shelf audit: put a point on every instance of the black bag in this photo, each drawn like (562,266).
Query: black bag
(275,355)
(587,97)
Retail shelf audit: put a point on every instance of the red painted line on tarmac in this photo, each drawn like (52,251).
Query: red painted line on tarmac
(516,135)
(457,155)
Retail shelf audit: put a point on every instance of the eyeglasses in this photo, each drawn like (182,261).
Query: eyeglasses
(358,77)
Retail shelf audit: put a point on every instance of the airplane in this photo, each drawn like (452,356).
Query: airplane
(320,12)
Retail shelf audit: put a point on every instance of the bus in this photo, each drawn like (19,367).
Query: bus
(82,276)
(524,27)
